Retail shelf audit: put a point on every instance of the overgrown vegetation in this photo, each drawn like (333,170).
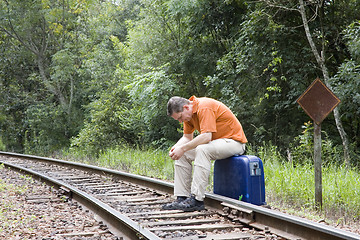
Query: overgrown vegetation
(97,74)
(290,185)
(151,163)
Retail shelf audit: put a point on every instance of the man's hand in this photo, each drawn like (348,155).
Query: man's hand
(176,152)
(187,143)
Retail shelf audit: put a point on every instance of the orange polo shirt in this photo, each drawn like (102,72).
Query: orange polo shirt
(210,115)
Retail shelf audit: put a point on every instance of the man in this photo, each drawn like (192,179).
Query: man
(220,136)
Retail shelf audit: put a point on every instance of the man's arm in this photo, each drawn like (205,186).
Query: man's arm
(187,142)
(198,140)
(184,139)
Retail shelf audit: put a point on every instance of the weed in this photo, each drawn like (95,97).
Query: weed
(10,212)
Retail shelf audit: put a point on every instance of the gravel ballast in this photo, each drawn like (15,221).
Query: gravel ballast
(32,210)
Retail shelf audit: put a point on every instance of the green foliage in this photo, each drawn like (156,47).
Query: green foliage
(346,84)
(352,35)
(295,185)
(133,114)
(287,184)
(302,149)
(2,145)
(109,124)
(62,57)
(149,94)
(99,73)
(251,79)
(45,72)
(46,132)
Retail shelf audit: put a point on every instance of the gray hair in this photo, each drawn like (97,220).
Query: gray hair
(176,104)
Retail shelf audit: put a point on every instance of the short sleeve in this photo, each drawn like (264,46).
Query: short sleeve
(188,128)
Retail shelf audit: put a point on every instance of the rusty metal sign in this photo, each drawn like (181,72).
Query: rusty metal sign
(318,101)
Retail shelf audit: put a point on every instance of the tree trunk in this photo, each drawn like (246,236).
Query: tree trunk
(321,61)
(47,83)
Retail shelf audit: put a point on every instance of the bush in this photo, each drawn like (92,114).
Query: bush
(302,149)
(48,128)
(2,145)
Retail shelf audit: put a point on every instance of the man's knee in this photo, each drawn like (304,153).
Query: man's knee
(186,159)
(203,156)
(182,162)
(203,149)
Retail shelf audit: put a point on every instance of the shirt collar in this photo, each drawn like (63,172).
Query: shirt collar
(195,103)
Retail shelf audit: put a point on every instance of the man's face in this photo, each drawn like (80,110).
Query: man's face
(183,116)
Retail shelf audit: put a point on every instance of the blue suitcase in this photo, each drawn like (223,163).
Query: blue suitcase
(241,178)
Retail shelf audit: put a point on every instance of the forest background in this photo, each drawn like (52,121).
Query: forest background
(93,75)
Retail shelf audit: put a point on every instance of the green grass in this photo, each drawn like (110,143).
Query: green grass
(286,184)
(292,187)
(151,163)
(341,190)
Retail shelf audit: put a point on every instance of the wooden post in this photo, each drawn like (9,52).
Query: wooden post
(317,166)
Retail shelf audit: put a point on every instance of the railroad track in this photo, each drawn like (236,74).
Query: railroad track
(130,205)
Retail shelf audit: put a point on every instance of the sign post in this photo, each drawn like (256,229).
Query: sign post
(317,166)
(318,101)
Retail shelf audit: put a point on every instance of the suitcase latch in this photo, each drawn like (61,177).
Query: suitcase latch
(255,169)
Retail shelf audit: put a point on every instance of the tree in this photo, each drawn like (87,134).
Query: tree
(320,58)
(40,31)
(346,84)
(45,44)
(27,23)
(319,10)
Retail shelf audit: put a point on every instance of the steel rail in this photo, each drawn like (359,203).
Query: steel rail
(286,226)
(156,184)
(121,225)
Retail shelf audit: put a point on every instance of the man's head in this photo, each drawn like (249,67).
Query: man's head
(180,109)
